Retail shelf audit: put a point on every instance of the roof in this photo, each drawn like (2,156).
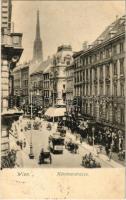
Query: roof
(40,67)
(111,32)
(21,66)
(116,28)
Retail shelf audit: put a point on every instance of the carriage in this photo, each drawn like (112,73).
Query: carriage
(72,146)
(88,161)
(45,155)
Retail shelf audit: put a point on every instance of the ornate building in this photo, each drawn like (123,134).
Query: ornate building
(99,76)
(37,49)
(11,50)
(61,60)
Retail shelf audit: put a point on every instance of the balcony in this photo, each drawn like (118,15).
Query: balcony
(115,78)
(12,40)
(11,46)
(101,80)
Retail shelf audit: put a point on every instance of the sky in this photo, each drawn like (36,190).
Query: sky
(63,22)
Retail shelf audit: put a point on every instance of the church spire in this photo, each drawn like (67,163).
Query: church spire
(37,50)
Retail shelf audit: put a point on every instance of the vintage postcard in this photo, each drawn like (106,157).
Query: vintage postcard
(63,75)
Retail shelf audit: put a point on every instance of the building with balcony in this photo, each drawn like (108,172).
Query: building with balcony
(61,60)
(99,76)
(11,50)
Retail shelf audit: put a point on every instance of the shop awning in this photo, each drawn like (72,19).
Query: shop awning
(55,112)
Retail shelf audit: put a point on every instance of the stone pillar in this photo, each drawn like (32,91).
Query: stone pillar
(98,77)
(110,112)
(97,110)
(89,82)
(88,109)
(5,85)
(118,114)
(118,78)
(92,81)
(104,92)
(111,77)
(104,110)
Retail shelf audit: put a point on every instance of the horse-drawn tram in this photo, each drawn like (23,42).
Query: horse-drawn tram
(56,143)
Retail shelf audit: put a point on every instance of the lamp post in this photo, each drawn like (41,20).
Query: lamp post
(31,155)
(93,130)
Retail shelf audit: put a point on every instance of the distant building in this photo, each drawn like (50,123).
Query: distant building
(99,76)
(61,60)
(38,81)
(21,84)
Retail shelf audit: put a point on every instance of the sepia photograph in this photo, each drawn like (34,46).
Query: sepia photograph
(62,84)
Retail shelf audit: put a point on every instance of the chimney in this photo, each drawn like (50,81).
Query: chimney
(84,45)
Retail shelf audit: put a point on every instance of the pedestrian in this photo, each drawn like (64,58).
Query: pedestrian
(21,144)
(24,143)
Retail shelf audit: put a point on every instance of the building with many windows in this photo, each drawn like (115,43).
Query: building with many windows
(11,50)
(21,84)
(99,76)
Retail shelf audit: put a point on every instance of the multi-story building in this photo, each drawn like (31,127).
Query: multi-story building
(11,50)
(69,87)
(61,60)
(21,84)
(39,81)
(99,76)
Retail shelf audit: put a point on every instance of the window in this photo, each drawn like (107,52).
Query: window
(121,47)
(86,74)
(115,90)
(107,72)
(95,90)
(108,90)
(121,66)
(115,68)
(95,73)
(114,49)
(101,89)
(122,89)
(101,73)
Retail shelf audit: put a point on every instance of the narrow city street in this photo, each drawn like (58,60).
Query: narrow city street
(67,159)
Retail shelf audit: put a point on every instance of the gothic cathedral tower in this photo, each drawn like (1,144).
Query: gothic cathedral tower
(37,49)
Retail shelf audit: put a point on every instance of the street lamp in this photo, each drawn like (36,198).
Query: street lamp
(93,131)
(31,155)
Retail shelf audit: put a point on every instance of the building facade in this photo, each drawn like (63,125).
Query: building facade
(61,60)
(99,76)
(21,85)
(11,50)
